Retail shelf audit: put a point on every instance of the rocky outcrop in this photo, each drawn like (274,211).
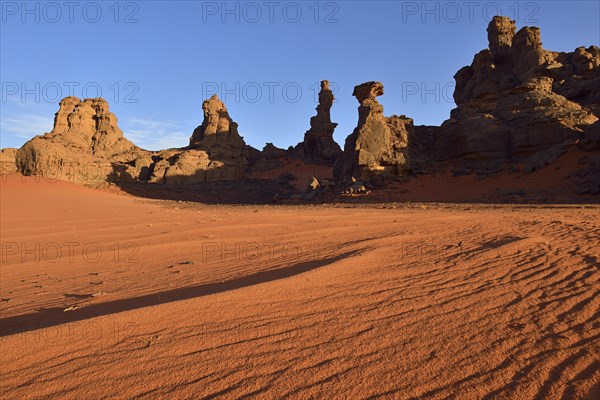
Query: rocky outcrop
(378,145)
(217,129)
(515,103)
(517,99)
(85,146)
(318,144)
(176,167)
(577,77)
(7,160)
(216,152)
(272,152)
(500,38)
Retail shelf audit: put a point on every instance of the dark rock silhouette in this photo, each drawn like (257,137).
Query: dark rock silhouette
(318,145)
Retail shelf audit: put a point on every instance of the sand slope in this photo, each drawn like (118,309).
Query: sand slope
(433,302)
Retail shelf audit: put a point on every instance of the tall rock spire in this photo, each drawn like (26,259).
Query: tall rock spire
(318,140)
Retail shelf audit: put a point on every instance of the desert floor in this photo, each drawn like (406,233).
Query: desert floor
(112,296)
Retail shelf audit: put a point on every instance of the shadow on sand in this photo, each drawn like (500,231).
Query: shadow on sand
(56,316)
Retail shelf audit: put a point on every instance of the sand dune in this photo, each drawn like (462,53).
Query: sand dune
(110,296)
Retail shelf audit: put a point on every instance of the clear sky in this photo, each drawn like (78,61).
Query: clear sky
(156,61)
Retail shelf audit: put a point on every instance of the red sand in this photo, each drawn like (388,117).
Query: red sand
(173,300)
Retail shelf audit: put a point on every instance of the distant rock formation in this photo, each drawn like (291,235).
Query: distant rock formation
(515,103)
(318,145)
(378,144)
(85,145)
(181,167)
(217,128)
(216,152)
(516,98)
(272,152)
(318,140)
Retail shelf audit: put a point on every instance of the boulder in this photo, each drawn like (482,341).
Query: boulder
(313,184)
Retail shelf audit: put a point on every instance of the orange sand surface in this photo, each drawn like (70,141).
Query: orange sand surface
(112,296)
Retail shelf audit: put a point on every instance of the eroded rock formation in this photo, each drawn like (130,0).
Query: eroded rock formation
(378,144)
(517,99)
(85,146)
(217,128)
(180,167)
(216,152)
(318,144)
(515,103)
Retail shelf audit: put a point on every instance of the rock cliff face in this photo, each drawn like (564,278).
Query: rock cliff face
(318,144)
(517,99)
(85,146)
(378,144)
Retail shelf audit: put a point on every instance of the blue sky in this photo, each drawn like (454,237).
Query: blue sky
(156,61)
